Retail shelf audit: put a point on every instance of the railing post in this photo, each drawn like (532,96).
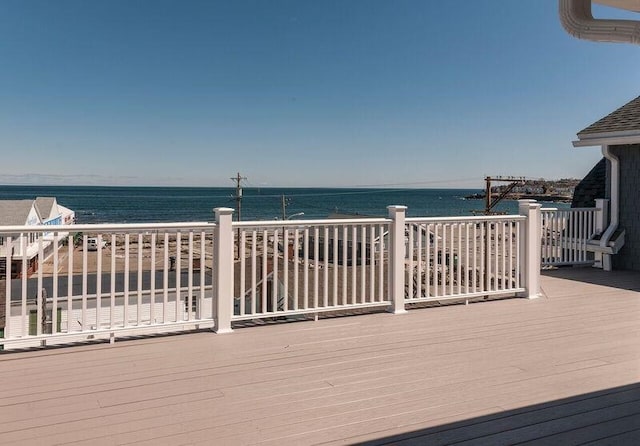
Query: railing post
(602,211)
(530,248)
(4,309)
(223,261)
(602,218)
(396,258)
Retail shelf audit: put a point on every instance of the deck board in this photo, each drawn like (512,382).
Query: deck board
(561,369)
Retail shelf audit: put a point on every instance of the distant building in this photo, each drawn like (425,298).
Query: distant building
(38,212)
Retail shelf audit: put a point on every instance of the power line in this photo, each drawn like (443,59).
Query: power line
(416,183)
(396,186)
(337,193)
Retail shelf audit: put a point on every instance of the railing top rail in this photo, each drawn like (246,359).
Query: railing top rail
(298,223)
(580,209)
(478,218)
(548,209)
(105,227)
(570,209)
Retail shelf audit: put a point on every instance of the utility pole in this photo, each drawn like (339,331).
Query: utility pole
(285,203)
(487,195)
(238,179)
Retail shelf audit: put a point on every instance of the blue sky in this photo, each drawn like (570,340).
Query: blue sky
(299,93)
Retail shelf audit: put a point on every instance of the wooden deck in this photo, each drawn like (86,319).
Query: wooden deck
(562,369)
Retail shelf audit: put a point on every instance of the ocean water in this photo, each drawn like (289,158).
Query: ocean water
(163,204)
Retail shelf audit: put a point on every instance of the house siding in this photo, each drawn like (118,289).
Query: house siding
(629,255)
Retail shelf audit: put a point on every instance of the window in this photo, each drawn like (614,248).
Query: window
(1,240)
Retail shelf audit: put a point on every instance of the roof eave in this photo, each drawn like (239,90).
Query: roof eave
(607,139)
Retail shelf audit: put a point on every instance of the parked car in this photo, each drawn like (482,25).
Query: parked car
(92,243)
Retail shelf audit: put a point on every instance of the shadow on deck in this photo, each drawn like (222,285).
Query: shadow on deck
(611,416)
(626,280)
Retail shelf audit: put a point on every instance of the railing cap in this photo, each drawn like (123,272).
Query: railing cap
(106,227)
(463,219)
(308,223)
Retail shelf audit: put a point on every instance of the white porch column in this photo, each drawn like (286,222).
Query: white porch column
(223,264)
(602,218)
(614,163)
(530,248)
(396,258)
(602,214)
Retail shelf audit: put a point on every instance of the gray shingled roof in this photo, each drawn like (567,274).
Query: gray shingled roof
(623,119)
(44,205)
(592,186)
(14,212)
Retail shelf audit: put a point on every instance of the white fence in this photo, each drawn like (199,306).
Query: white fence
(156,278)
(566,233)
(452,258)
(110,278)
(287,268)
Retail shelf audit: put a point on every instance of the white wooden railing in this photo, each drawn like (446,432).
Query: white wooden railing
(566,233)
(141,278)
(154,278)
(290,268)
(463,257)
